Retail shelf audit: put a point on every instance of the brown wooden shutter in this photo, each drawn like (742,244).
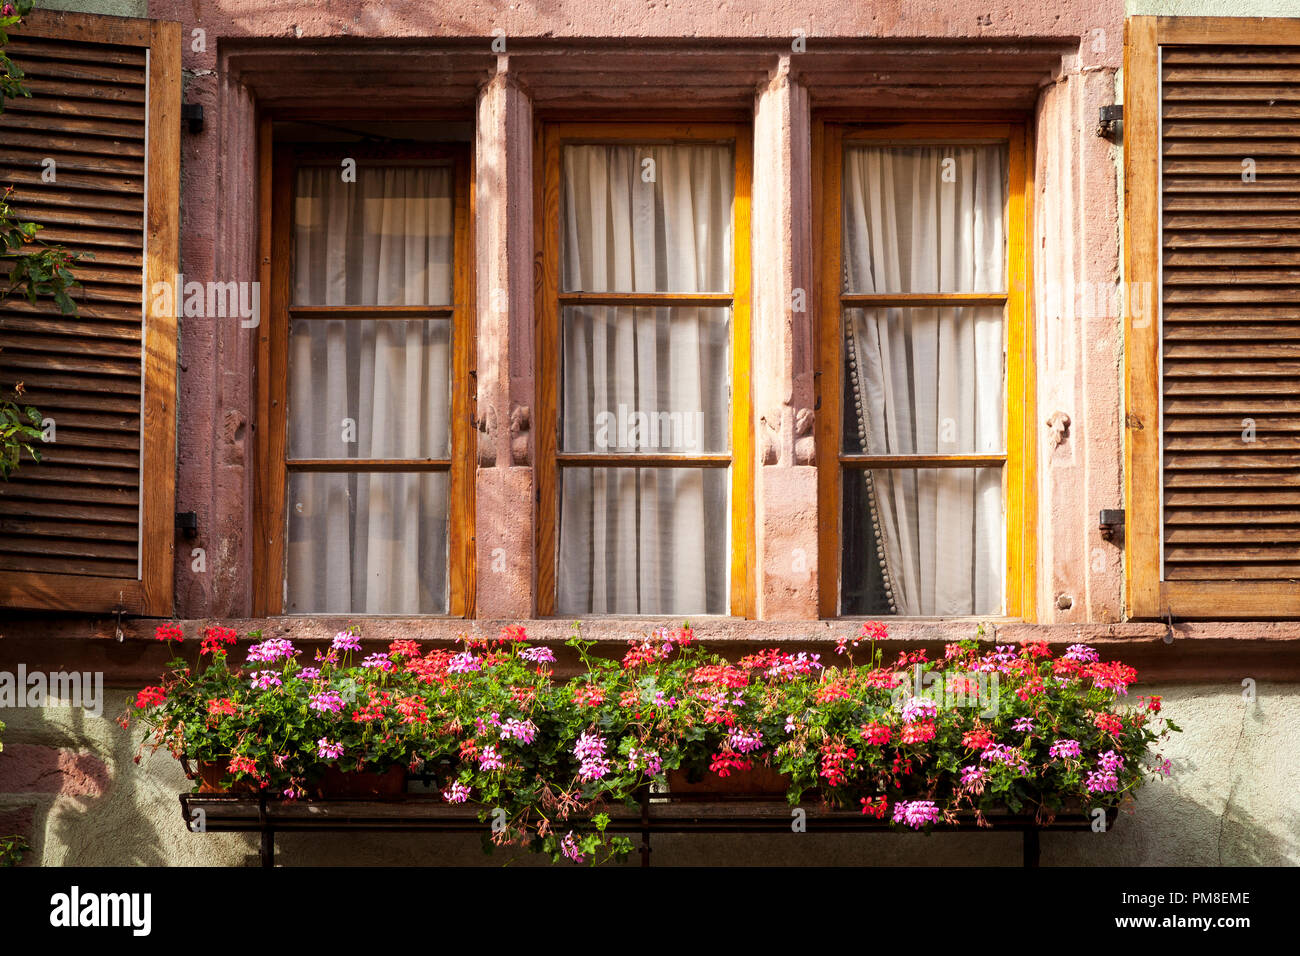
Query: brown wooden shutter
(1212,148)
(91,527)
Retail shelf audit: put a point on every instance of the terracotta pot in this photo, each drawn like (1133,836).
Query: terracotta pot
(212,778)
(761,780)
(336,784)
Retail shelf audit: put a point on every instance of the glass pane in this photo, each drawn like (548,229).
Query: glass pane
(367,543)
(369,389)
(643,541)
(385,239)
(923,381)
(922,542)
(924,218)
(651,380)
(646,218)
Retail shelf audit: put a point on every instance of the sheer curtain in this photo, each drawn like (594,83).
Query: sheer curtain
(645,379)
(928,219)
(373,387)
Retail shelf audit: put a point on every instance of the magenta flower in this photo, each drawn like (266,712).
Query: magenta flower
(268,652)
(919,708)
(326,701)
(590,749)
(490,760)
(1025,724)
(463,663)
(1081,653)
(522,730)
(1065,748)
(379,661)
(538,655)
(310,673)
(265,680)
(915,813)
(328,751)
(456,793)
(343,641)
(569,847)
(646,760)
(745,741)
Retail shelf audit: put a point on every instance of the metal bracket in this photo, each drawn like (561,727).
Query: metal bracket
(1109,521)
(1110,122)
(192,115)
(187,522)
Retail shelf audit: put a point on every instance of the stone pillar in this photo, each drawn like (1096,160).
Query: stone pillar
(503,248)
(785,484)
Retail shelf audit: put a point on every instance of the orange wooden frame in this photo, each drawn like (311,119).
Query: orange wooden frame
(277,166)
(1018,464)
(549,299)
(152,592)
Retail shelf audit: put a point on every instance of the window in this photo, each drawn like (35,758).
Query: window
(923,372)
(91,528)
(643,355)
(1212,469)
(366,501)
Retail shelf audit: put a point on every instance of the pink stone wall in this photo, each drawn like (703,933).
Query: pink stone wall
(1054,63)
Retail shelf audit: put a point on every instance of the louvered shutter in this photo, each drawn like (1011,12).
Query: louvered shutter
(1212,145)
(91,527)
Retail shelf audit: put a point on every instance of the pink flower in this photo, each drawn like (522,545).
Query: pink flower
(328,751)
(489,759)
(916,813)
(456,793)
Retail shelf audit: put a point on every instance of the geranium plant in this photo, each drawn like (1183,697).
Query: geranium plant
(987,729)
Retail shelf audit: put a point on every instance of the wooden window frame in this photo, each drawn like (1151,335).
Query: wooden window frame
(552,138)
(1018,464)
(151,592)
(278,165)
(1146,595)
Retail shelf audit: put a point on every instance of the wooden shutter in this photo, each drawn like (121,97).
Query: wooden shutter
(1212,183)
(90,528)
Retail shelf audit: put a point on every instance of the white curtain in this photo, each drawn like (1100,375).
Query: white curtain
(648,379)
(928,219)
(370,388)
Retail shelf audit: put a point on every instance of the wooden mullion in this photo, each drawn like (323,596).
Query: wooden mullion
(638,460)
(461,560)
(829,150)
(744,601)
(364,465)
(371,312)
(546,306)
(868,300)
(267,491)
(719,300)
(921,461)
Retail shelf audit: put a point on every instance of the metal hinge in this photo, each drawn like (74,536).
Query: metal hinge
(1110,122)
(1110,520)
(192,115)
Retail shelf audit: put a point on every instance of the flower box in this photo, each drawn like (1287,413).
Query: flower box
(758,781)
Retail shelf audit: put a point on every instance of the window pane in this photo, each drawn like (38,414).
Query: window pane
(369,389)
(643,541)
(922,541)
(367,543)
(651,380)
(646,218)
(385,239)
(924,218)
(923,381)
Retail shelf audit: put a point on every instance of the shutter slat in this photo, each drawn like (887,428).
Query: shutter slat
(78,511)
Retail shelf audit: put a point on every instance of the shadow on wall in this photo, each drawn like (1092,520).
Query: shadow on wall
(69,779)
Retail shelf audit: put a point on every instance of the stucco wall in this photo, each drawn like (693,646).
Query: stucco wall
(71,786)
